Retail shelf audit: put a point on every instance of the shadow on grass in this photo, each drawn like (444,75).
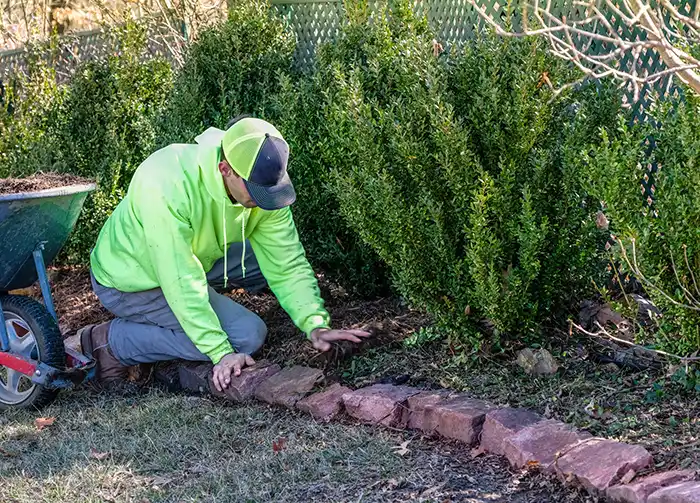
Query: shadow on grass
(160,447)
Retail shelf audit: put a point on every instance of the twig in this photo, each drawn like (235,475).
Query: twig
(604,334)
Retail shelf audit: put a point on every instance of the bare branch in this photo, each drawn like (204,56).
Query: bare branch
(574,40)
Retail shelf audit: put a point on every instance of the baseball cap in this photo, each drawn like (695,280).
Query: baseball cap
(257,153)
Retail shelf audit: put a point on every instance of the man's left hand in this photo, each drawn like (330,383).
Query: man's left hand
(321,338)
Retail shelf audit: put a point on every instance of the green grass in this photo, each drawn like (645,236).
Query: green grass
(160,447)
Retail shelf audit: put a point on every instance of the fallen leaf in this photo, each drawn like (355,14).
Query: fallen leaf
(279,444)
(402,449)
(475,453)
(7,453)
(532,465)
(161,481)
(43,422)
(99,456)
(627,478)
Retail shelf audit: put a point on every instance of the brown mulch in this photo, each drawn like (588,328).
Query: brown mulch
(39,181)
(388,319)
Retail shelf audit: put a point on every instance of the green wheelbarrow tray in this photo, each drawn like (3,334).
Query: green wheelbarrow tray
(34,363)
(32,219)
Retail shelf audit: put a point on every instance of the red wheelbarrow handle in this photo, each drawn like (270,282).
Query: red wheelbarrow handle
(80,369)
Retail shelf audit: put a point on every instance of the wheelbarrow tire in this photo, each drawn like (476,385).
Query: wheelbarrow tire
(49,343)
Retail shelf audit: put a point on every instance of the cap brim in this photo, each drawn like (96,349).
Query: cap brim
(275,197)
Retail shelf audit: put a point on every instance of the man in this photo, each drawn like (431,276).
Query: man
(187,210)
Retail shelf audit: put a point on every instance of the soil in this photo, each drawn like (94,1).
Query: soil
(39,181)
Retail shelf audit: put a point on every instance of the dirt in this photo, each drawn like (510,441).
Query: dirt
(39,181)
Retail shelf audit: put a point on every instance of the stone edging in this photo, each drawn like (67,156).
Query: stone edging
(605,468)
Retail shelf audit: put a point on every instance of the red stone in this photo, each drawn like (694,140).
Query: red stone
(461,418)
(243,386)
(504,423)
(640,490)
(420,412)
(539,444)
(597,464)
(326,404)
(379,404)
(687,492)
(194,377)
(288,386)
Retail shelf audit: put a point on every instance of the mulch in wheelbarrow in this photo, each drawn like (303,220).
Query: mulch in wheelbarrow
(39,181)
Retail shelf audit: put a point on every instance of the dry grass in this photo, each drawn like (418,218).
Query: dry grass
(171,448)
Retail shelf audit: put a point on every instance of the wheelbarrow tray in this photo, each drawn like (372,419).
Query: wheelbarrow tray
(31,219)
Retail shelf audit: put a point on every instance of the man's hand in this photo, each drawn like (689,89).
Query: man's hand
(321,338)
(231,363)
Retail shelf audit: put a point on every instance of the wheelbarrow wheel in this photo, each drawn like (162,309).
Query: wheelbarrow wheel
(34,334)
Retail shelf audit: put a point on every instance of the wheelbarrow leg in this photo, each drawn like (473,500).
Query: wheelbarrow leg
(4,338)
(44,280)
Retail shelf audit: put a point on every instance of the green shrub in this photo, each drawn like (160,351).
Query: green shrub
(461,175)
(99,126)
(659,245)
(232,68)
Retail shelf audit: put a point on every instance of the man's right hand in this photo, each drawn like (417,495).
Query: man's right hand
(232,363)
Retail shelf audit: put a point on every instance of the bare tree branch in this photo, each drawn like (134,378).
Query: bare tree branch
(599,49)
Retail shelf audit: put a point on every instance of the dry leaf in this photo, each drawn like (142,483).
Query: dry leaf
(161,481)
(279,445)
(475,453)
(627,478)
(99,456)
(532,465)
(43,422)
(402,449)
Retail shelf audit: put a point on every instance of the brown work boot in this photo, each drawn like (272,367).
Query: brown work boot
(95,344)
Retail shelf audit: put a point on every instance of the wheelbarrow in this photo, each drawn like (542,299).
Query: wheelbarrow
(34,363)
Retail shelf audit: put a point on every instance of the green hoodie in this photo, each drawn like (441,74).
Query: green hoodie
(177,220)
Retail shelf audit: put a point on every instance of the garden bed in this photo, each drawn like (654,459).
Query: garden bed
(645,407)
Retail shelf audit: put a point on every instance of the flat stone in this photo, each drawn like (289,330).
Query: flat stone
(243,387)
(640,490)
(687,492)
(539,444)
(194,377)
(420,411)
(597,464)
(288,386)
(461,418)
(324,405)
(379,404)
(501,424)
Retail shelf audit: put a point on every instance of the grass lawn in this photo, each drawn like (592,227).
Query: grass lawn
(166,447)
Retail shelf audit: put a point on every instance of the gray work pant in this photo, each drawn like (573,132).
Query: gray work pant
(146,330)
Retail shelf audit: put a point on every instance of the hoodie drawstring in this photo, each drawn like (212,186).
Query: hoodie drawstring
(243,252)
(226,247)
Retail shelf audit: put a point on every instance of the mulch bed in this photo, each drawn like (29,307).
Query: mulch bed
(39,181)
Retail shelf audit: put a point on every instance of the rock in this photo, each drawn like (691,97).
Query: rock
(324,405)
(194,377)
(461,418)
(420,413)
(537,445)
(288,386)
(687,492)
(502,424)
(597,464)
(379,404)
(538,363)
(243,387)
(640,490)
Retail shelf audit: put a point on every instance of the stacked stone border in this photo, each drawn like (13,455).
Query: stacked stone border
(605,468)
